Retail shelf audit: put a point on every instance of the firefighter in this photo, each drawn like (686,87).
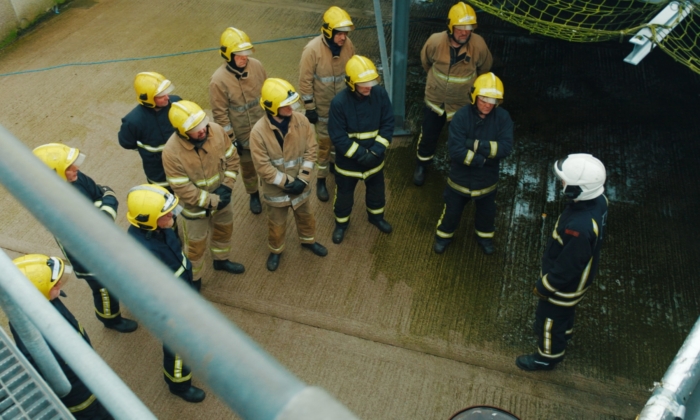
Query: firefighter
(48,275)
(284,153)
(570,260)
(321,77)
(481,134)
(151,213)
(452,59)
(234,94)
(66,161)
(201,165)
(361,125)
(146,128)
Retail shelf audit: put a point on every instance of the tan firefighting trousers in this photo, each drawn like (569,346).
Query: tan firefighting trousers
(277,225)
(250,177)
(195,233)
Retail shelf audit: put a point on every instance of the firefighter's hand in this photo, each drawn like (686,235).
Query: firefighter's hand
(369,160)
(478,161)
(312,115)
(239,147)
(295,187)
(484,148)
(224,194)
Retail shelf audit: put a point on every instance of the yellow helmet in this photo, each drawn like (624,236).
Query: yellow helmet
(59,157)
(462,16)
(336,19)
(277,93)
(147,203)
(150,84)
(488,85)
(235,41)
(360,70)
(187,116)
(43,271)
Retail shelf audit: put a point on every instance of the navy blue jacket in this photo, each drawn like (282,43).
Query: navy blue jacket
(165,246)
(570,260)
(357,124)
(471,174)
(147,131)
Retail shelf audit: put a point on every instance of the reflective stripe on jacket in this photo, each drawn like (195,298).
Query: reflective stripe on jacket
(448,88)
(235,102)
(322,76)
(194,174)
(277,166)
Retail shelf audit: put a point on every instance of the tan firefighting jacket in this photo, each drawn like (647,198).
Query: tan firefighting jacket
(277,166)
(194,174)
(235,98)
(322,76)
(448,88)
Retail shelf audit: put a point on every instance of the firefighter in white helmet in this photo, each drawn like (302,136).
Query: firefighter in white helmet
(453,59)
(361,126)
(49,275)
(66,161)
(151,211)
(481,134)
(201,166)
(234,95)
(571,258)
(321,77)
(284,153)
(146,128)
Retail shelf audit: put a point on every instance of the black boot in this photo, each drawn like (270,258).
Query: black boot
(321,190)
(317,249)
(192,394)
(440,247)
(339,233)
(255,205)
(123,325)
(382,225)
(419,173)
(273,261)
(531,362)
(231,267)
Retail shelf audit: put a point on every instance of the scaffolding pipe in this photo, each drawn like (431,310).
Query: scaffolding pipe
(245,377)
(670,396)
(35,344)
(386,70)
(399,64)
(77,353)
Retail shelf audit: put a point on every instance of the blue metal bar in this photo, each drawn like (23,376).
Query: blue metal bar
(386,70)
(399,64)
(244,376)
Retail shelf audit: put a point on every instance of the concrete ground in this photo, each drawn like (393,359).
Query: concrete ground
(391,329)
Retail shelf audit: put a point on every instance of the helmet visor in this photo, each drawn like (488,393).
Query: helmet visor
(368,84)
(164,88)
(79,160)
(292,97)
(488,100)
(56,266)
(170,202)
(464,27)
(249,51)
(344,28)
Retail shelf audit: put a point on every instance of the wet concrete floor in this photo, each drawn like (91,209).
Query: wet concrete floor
(391,329)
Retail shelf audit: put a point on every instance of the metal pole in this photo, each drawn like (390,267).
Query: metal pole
(246,378)
(667,402)
(382,47)
(37,347)
(399,64)
(97,375)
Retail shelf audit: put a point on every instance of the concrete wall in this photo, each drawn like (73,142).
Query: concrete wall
(20,14)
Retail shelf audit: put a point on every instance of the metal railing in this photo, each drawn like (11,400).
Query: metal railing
(245,377)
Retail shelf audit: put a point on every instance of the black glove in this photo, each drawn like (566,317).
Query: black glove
(484,148)
(478,161)
(224,194)
(105,188)
(295,187)
(312,115)
(239,147)
(369,160)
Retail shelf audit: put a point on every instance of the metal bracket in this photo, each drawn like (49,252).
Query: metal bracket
(657,29)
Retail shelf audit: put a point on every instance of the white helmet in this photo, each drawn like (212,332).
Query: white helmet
(583,176)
